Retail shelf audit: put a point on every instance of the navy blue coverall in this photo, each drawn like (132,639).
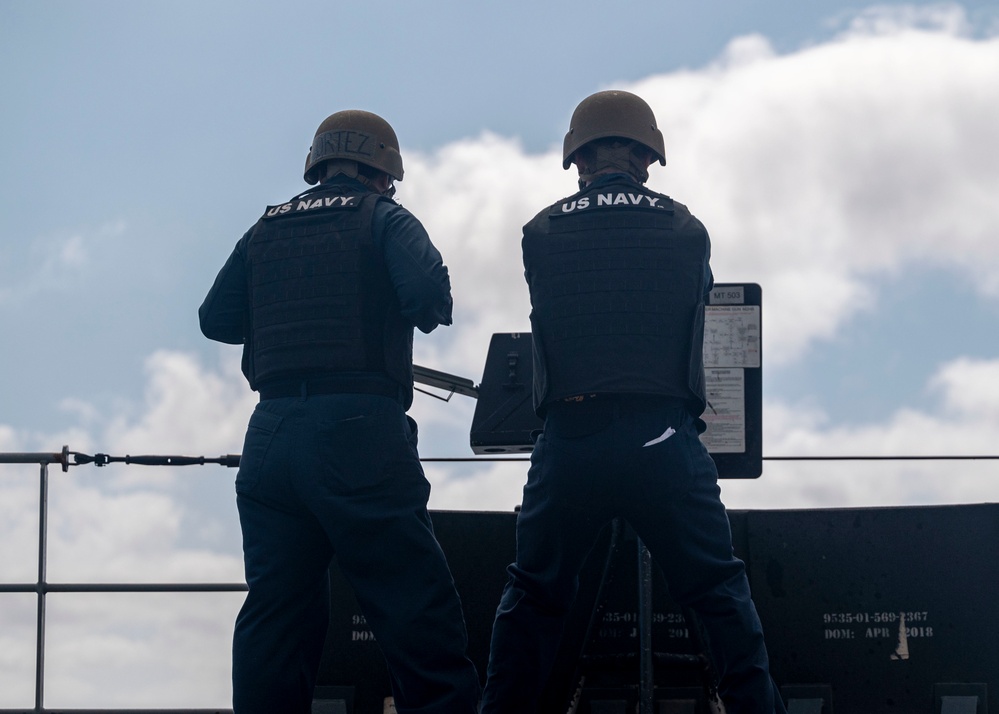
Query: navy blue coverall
(611,449)
(339,473)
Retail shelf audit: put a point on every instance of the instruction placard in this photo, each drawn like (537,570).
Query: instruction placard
(732,375)
(726,411)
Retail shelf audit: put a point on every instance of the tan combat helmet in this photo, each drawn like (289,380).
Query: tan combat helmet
(613,113)
(354,135)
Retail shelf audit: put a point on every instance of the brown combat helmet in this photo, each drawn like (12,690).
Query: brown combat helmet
(354,135)
(609,113)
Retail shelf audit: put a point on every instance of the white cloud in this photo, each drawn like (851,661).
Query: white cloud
(8,440)
(970,387)
(187,407)
(140,650)
(489,486)
(817,172)
(965,424)
(122,524)
(60,261)
(19,518)
(17,649)
(947,18)
(474,197)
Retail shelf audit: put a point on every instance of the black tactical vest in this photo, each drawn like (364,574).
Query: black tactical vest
(320,294)
(617,282)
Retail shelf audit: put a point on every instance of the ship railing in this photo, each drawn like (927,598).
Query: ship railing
(66,459)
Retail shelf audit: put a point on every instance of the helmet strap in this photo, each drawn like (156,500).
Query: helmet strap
(339,166)
(351,169)
(605,157)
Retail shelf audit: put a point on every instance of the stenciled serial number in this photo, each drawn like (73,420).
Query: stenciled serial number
(658,618)
(901,626)
(360,635)
(610,632)
(877,618)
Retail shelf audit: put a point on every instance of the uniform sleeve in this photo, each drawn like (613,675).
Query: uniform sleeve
(695,224)
(709,278)
(415,266)
(224,314)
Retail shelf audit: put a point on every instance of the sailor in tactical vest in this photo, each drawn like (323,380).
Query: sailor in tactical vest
(618,277)
(323,292)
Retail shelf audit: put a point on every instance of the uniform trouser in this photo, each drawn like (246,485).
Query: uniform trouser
(601,459)
(340,474)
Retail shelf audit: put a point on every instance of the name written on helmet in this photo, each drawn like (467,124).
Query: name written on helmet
(310,204)
(342,143)
(620,198)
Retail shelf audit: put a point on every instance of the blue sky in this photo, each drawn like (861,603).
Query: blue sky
(139,139)
(843,156)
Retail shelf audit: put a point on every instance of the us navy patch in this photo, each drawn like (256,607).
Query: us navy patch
(306,204)
(611,199)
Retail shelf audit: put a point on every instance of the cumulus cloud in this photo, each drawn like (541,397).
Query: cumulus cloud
(818,173)
(58,261)
(187,406)
(474,196)
(121,524)
(175,647)
(897,19)
(964,423)
(969,386)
